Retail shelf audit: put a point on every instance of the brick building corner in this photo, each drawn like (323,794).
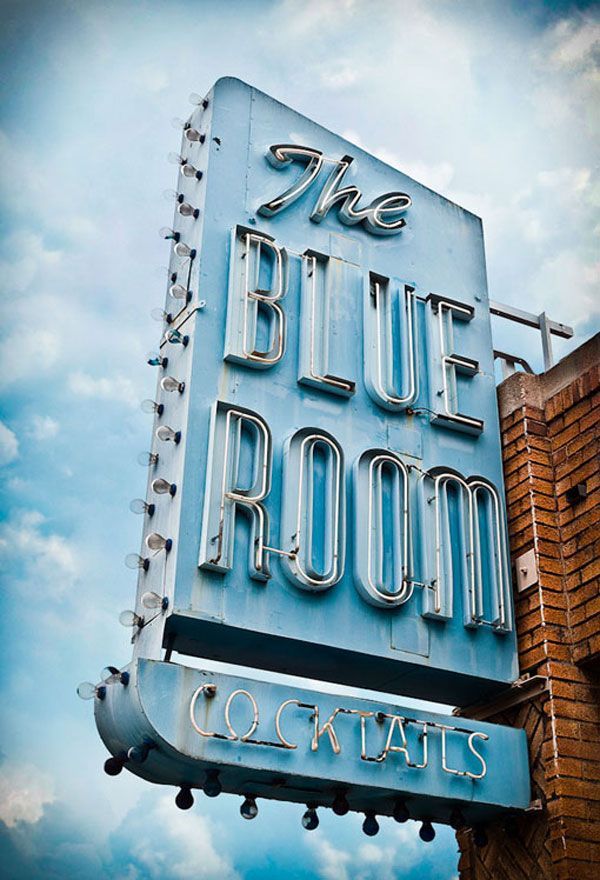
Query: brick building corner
(551,439)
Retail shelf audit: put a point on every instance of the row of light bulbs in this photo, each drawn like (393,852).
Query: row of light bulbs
(165,433)
(310,820)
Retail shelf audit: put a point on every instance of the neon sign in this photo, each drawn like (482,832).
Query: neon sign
(324,488)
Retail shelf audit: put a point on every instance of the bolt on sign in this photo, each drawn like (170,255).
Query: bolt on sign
(325,487)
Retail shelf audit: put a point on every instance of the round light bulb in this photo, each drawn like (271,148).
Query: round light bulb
(138,505)
(151,406)
(110,673)
(189,171)
(184,798)
(134,560)
(310,820)
(130,618)
(86,690)
(370,826)
(157,542)
(113,766)
(163,487)
(152,600)
(169,383)
(176,338)
(183,250)
(165,433)
(194,136)
(187,210)
(175,158)
(249,810)
(340,805)
(427,831)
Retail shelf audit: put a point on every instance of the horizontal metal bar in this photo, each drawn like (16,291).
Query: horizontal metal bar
(529,319)
(524,689)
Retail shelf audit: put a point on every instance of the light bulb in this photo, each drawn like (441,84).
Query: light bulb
(87,691)
(156,542)
(249,810)
(212,784)
(155,359)
(138,505)
(130,618)
(183,250)
(151,406)
(175,158)
(310,820)
(176,122)
(113,766)
(159,314)
(401,813)
(110,673)
(340,805)
(189,171)
(166,433)
(184,798)
(134,560)
(163,487)
(167,232)
(194,136)
(147,459)
(187,210)
(178,291)
(170,194)
(198,100)
(370,826)
(152,600)
(427,831)
(176,338)
(169,383)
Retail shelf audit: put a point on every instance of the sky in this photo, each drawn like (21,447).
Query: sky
(493,104)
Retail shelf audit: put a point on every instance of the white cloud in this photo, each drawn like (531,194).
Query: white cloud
(9,445)
(46,561)
(367,861)
(27,353)
(333,863)
(187,848)
(43,428)
(24,791)
(116,388)
(575,41)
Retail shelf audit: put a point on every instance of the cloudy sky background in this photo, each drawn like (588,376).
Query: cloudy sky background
(494,104)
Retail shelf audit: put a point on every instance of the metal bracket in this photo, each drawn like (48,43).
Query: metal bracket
(526,570)
(524,689)
(540,322)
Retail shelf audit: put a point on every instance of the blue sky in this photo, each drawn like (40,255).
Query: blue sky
(494,104)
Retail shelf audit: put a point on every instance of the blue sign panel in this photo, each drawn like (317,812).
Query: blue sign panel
(204,730)
(325,481)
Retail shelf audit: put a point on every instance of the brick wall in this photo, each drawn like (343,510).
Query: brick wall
(550,430)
